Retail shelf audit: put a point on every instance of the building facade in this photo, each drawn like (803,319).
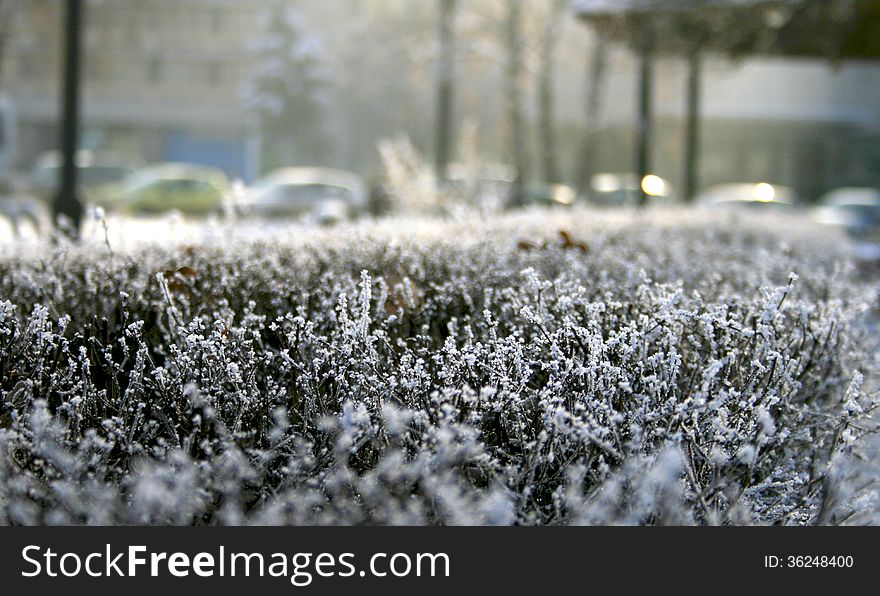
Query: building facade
(162,79)
(810,124)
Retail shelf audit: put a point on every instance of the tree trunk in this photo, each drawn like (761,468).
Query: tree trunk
(445,89)
(644,142)
(516,118)
(546,94)
(597,66)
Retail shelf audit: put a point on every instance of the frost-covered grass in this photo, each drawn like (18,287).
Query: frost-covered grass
(544,368)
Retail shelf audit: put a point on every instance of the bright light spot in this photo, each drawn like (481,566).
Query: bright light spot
(606,183)
(564,195)
(654,186)
(765,192)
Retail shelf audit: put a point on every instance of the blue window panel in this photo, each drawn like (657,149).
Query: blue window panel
(225,154)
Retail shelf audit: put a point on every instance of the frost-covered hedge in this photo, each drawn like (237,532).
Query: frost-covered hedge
(540,369)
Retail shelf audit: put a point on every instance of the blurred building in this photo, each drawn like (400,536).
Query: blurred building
(799,105)
(163,82)
(162,79)
(806,123)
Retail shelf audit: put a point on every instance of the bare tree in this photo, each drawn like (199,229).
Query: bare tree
(596,67)
(288,88)
(523,36)
(515,115)
(445,88)
(546,95)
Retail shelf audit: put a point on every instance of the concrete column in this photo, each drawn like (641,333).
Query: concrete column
(644,88)
(692,126)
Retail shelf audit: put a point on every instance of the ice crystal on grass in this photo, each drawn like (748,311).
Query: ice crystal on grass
(424,372)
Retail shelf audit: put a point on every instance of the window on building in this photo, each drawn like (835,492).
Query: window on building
(216,19)
(92,70)
(155,67)
(27,66)
(154,17)
(215,73)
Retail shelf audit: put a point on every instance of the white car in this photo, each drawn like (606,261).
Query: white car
(752,195)
(322,195)
(620,189)
(856,210)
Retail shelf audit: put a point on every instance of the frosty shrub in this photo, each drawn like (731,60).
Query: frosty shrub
(544,368)
(409,178)
(475,188)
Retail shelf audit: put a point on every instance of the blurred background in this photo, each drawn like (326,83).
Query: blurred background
(329,110)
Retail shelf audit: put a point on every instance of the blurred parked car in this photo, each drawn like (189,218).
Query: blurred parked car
(321,195)
(760,195)
(856,210)
(101,178)
(191,189)
(22,212)
(547,195)
(616,190)
(481,181)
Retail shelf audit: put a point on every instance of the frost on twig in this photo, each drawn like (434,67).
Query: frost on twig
(674,373)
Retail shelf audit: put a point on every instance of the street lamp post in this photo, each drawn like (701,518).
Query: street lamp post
(67,208)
